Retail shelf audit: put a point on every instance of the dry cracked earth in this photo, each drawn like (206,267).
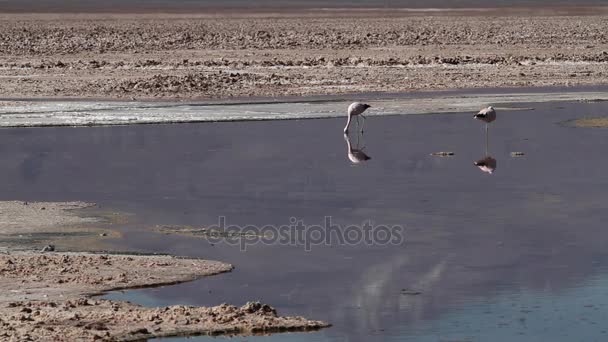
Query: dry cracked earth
(178,57)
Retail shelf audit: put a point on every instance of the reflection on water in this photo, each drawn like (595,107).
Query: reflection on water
(487,164)
(540,239)
(356,154)
(576,314)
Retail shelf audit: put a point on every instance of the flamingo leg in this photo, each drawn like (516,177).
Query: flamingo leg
(487,139)
(363,123)
(362,145)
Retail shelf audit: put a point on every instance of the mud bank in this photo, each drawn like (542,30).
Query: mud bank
(48,296)
(32,225)
(589,122)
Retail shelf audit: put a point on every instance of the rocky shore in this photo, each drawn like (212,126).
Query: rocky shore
(50,296)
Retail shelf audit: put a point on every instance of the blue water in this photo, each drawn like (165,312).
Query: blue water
(577,314)
(516,255)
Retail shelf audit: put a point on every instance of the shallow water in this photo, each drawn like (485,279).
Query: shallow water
(518,254)
(41,113)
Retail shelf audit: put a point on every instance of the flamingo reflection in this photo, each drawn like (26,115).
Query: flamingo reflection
(355,154)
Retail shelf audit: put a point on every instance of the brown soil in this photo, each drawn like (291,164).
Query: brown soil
(33,225)
(170,57)
(28,217)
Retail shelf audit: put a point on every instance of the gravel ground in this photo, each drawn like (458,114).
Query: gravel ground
(177,57)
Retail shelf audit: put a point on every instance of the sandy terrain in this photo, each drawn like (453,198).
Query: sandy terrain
(28,217)
(33,225)
(46,296)
(601,122)
(169,57)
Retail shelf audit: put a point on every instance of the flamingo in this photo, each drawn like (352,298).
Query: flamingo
(355,109)
(486,115)
(486,164)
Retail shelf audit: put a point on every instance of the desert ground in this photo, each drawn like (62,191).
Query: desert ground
(155,56)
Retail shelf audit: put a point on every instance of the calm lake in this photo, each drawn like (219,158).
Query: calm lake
(518,254)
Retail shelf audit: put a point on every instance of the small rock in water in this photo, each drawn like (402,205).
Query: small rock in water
(48,248)
(442,154)
(517,154)
(408,292)
(103,234)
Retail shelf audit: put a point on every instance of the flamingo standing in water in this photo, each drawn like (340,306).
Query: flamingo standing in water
(487,164)
(486,115)
(356,109)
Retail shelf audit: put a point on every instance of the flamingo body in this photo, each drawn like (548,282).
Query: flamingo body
(355,108)
(486,115)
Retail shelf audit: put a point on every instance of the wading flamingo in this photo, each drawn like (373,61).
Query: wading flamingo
(486,164)
(356,109)
(486,115)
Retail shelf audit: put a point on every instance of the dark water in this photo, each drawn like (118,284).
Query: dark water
(185,5)
(516,255)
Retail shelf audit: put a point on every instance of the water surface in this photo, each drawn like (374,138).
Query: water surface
(518,254)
